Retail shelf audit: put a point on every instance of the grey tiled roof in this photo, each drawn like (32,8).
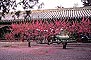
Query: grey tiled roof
(53,13)
(58,13)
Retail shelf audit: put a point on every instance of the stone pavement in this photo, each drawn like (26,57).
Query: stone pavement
(74,51)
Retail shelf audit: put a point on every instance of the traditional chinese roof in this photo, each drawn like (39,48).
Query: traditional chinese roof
(77,12)
(63,12)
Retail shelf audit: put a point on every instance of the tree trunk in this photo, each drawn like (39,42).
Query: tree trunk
(29,44)
(64,45)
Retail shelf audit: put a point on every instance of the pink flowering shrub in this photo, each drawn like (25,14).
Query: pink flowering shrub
(46,29)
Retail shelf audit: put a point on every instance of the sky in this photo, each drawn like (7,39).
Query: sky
(52,4)
(65,3)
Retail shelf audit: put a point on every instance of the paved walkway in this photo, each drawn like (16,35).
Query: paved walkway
(76,51)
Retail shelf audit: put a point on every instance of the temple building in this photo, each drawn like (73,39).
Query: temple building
(47,14)
(76,12)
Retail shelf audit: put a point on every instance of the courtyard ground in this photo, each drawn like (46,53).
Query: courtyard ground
(20,51)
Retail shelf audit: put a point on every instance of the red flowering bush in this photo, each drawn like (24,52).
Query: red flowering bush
(45,29)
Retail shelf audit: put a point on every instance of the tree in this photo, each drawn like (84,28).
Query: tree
(86,2)
(17,13)
(75,4)
(41,5)
(60,6)
(6,5)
